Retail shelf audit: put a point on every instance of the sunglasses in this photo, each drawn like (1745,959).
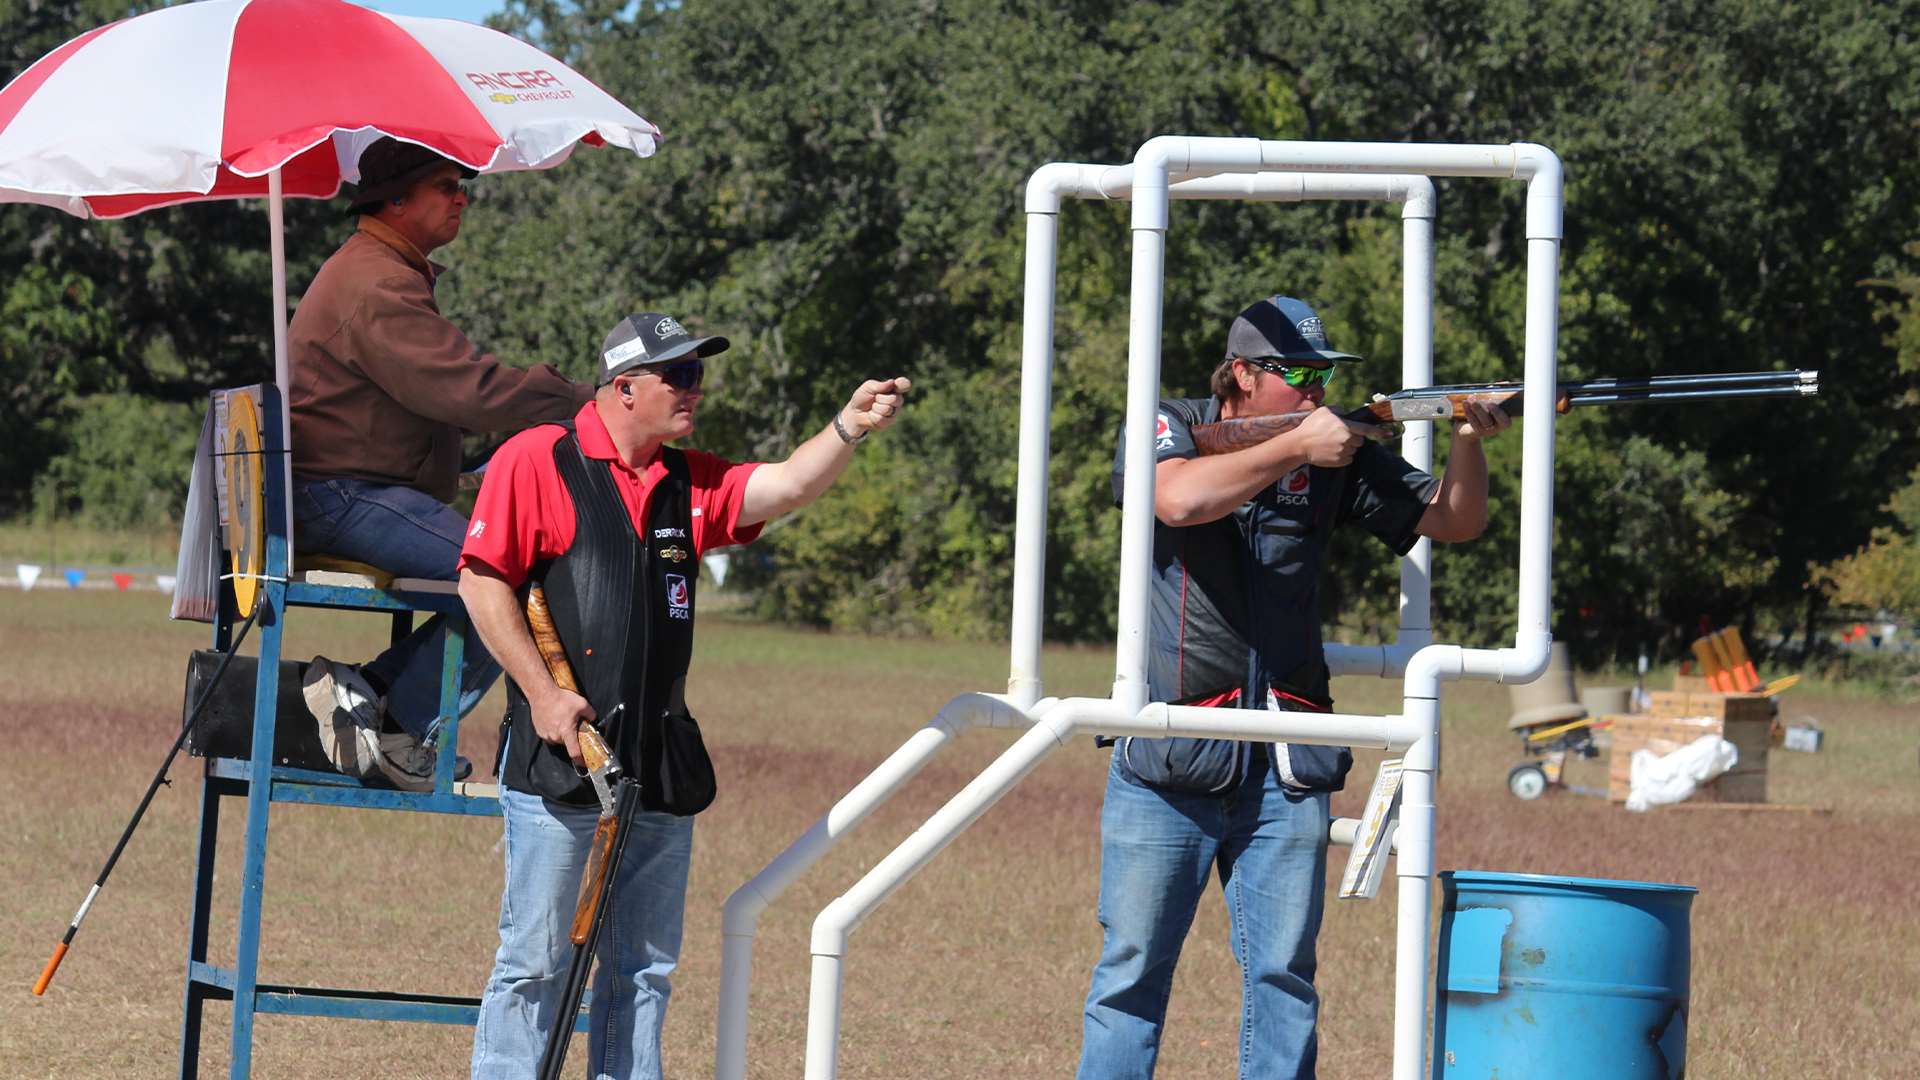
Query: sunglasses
(683,375)
(1295,375)
(450,187)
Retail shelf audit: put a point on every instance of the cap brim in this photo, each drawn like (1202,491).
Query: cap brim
(703,347)
(1321,354)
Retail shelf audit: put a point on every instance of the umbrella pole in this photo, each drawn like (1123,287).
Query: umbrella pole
(277,241)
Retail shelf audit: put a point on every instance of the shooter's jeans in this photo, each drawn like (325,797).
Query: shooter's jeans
(1156,850)
(547,845)
(409,534)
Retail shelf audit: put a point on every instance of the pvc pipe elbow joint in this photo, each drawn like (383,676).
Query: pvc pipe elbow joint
(1546,186)
(740,916)
(1046,185)
(1420,199)
(830,928)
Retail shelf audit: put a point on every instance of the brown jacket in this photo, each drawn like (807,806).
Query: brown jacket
(384,385)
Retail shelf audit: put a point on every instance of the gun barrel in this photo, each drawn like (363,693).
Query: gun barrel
(1666,386)
(1803,382)
(1630,395)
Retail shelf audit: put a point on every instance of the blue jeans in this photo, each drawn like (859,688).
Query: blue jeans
(1156,849)
(547,845)
(409,534)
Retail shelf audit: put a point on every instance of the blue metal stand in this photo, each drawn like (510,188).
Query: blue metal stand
(261,783)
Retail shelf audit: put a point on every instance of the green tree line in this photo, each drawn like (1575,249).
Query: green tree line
(839,192)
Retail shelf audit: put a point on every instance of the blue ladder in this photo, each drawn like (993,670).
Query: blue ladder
(262,783)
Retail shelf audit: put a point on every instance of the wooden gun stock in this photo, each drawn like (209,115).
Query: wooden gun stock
(593,746)
(593,883)
(547,639)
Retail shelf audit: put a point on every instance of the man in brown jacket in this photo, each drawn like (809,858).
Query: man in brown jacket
(383,389)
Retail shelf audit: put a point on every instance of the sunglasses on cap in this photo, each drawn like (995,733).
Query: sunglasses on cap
(1294,375)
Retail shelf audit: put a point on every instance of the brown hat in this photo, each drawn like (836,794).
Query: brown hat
(389,167)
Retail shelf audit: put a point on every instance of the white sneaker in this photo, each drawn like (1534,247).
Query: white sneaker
(348,714)
(408,763)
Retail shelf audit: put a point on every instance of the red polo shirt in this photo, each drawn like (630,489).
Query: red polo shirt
(524,514)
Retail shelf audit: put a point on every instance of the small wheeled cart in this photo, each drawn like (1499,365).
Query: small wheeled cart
(1551,742)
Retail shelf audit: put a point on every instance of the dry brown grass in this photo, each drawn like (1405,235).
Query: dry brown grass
(1805,948)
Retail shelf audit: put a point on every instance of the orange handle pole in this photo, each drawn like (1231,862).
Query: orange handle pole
(53,965)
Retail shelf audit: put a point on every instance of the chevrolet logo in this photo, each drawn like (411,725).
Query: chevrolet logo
(504,99)
(673,554)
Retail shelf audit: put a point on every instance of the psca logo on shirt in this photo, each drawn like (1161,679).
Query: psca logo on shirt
(1162,433)
(678,598)
(1293,488)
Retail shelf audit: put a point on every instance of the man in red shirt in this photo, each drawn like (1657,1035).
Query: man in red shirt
(612,522)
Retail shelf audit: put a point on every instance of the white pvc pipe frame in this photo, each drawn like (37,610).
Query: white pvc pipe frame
(1160,162)
(741,914)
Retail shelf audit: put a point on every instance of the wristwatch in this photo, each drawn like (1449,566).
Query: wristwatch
(847,437)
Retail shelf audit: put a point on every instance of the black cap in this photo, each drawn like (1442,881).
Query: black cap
(650,338)
(389,167)
(1283,328)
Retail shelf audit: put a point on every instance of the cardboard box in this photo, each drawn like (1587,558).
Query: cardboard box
(1803,737)
(1678,718)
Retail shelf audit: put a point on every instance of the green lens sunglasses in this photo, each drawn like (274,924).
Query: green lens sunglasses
(1295,375)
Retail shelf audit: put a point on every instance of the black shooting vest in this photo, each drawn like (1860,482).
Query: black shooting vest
(623,607)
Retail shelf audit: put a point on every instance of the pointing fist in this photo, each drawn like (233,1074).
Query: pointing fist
(875,404)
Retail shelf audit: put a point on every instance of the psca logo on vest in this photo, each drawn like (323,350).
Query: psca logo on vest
(1162,433)
(1293,488)
(679,604)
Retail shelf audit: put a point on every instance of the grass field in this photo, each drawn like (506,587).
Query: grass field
(57,544)
(1806,946)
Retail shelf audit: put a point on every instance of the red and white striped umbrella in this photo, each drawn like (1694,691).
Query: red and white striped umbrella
(207,100)
(229,99)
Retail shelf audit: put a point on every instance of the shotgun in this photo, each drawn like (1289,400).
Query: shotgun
(1450,402)
(619,799)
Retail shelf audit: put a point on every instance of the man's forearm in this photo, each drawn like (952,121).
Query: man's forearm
(1459,508)
(494,609)
(1198,490)
(807,473)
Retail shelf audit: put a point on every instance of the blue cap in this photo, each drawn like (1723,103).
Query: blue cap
(1281,328)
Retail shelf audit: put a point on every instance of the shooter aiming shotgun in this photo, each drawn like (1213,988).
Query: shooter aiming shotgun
(1450,402)
(619,800)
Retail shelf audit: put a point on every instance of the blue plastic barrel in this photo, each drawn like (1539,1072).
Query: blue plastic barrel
(1560,978)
